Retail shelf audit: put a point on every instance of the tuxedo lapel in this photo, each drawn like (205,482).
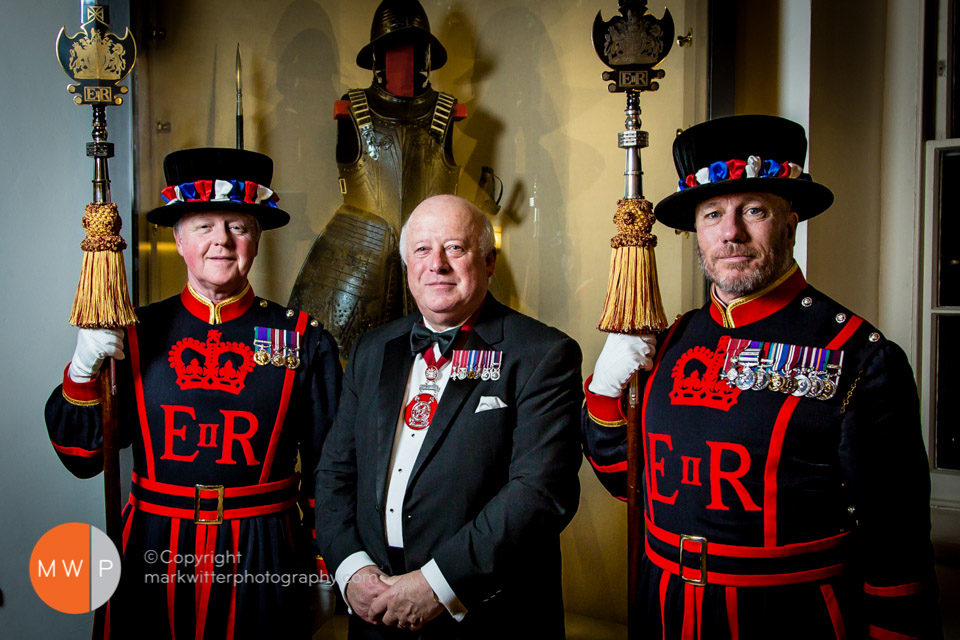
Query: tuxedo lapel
(489,327)
(397,362)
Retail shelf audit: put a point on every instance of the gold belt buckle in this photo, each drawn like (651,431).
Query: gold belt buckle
(196,503)
(702,580)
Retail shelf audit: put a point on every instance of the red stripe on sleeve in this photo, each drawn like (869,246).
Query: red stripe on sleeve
(885,634)
(609,468)
(895,591)
(76,451)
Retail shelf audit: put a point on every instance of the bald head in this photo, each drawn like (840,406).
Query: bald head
(447,245)
(448,204)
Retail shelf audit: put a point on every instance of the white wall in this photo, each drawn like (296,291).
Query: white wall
(46,178)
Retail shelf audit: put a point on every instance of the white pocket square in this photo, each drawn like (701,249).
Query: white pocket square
(490,402)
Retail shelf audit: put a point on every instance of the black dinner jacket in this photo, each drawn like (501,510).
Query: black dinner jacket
(489,493)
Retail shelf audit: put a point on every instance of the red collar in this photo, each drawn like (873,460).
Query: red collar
(220,312)
(760,304)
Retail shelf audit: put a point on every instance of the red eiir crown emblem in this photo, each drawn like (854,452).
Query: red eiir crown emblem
(215,371)
(690,387)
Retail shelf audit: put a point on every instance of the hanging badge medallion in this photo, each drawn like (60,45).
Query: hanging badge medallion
(278,357)
(497,361)
(420,411)
(803,385)
(291,341)
(746,379)
(763,379)
(262,341)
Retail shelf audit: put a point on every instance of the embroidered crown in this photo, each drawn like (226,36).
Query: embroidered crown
(702,386)
(220,366)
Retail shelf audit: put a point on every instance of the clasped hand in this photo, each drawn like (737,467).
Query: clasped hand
(406,601)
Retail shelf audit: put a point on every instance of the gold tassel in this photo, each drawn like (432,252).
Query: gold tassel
(633,303)
(102,300)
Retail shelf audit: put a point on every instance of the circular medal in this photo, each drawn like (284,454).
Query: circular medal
(776,382)
(261,357)
(829,390)
(278,359)
(420,411)
(816,387)
(731,375)
(763,379)
(495,374)
(789,384)
(485,375)
(803,385)
(746,379)
(292,360)
(431,373)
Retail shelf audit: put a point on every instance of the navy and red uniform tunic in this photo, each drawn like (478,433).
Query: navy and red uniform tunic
(770,515)
(207,423)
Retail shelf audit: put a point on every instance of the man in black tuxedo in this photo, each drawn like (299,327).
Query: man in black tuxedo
(452,466)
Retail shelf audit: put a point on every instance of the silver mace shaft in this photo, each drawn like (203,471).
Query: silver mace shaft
(632,140)
(100,150)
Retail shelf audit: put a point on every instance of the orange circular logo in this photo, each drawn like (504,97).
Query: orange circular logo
(74,568)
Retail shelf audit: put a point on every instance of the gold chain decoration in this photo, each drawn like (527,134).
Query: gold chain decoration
(846,400)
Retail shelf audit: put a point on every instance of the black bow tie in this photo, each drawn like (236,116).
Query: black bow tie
(422,338)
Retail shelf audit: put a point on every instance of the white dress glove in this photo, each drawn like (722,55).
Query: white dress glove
(93,345)
(621,356)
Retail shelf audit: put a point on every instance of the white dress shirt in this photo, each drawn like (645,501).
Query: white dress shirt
(406,448)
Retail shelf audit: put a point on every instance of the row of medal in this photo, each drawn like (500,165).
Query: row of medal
(465,365)
(800,371)
(278,347)
(476,364)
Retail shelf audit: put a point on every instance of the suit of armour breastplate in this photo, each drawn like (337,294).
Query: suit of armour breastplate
(392,153)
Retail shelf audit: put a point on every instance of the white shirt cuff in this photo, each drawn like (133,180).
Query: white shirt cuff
(353,563)
(431,572)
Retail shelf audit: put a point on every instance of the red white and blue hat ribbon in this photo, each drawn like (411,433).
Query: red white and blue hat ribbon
(239,191)
(752,167)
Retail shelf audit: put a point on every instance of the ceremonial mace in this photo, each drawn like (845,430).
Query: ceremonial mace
(97,60)
(632,44)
